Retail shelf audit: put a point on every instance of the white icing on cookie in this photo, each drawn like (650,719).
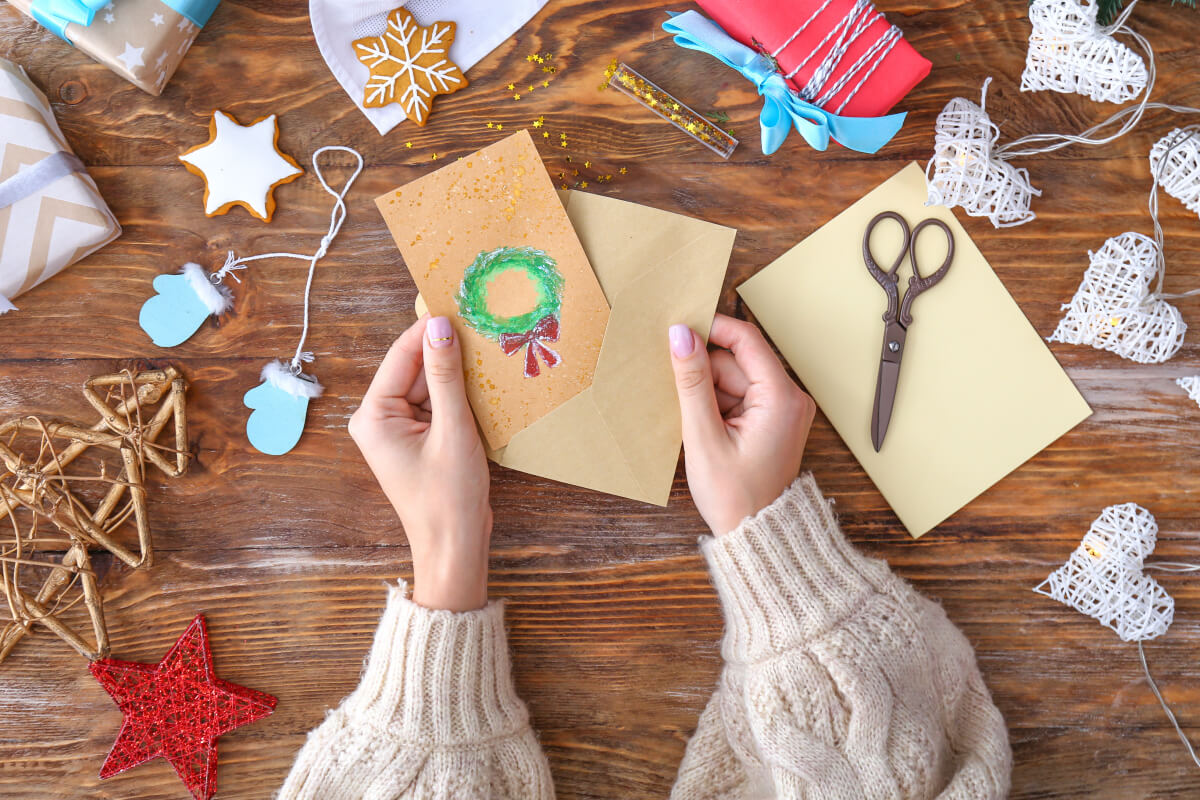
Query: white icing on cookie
(241,164)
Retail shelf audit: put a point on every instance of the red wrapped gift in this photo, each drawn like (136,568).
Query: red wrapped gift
(767,24)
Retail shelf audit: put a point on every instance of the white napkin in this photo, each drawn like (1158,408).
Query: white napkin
(481,26)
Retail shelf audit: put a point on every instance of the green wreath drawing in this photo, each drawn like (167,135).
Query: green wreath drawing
(528,331)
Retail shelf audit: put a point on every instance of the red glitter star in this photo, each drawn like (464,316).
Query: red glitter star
(176,709)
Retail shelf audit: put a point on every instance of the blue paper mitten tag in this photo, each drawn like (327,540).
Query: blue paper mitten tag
(182,303)
(280,407)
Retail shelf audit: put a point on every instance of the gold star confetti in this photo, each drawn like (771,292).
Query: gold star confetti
(408,145)
(537,123)
(622,170)
(587,164)
(545,84)
(563,143)
(531,87)
(545,134)
(516,97)
(491,124)
(582,185)
(530,58)
(499,126)
(511,87)
(435,157)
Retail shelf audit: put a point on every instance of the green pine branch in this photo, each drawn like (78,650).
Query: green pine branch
(1108,10)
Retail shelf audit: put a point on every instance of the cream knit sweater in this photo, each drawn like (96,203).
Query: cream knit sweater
(840,683)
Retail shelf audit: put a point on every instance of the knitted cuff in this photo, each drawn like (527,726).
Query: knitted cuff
(787,575)
(437,676)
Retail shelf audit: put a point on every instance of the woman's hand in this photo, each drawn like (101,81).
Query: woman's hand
(418,435)
(745,422)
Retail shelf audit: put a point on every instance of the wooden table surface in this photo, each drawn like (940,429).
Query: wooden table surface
(614,626)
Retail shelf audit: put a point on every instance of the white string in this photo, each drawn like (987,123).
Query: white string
(861,16)
(336,218)
(1170,714)
(1168,566)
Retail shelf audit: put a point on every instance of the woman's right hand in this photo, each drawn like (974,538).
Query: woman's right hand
(417,433)
(745,422)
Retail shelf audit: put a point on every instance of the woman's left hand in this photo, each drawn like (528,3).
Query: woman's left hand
(417,433)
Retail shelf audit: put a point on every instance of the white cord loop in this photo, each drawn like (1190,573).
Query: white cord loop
(336,218)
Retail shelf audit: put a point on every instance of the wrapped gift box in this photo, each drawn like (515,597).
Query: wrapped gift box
(143,41)
(51,214)
(767,24)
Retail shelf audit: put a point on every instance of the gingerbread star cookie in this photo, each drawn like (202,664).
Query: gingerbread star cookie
(408,65)
(241,165)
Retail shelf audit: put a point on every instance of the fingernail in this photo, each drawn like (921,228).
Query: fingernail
(439,332)
(682,340)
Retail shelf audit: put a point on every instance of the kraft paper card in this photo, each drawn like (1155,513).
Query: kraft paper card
(622,434)
(489,246)
(979,392)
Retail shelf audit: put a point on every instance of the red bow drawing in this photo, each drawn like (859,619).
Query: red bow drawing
(531,340)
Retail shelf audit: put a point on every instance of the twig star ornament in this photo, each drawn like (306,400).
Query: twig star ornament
(177,709)
(409,65)
(55,529)
(1115,308)
(241,166)
(1069,51)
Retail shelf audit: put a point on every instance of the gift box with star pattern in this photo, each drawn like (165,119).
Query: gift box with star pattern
(143,41)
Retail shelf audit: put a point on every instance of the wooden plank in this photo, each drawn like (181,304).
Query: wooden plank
(614,627)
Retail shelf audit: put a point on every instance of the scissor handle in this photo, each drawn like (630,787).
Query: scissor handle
(918,283)
(887,279)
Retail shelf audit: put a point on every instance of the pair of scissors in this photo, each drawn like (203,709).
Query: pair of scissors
(898,316)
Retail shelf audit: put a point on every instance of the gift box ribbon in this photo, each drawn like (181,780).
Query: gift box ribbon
(55,15)
(782,108)
(45,172)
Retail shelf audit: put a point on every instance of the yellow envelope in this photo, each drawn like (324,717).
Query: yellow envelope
(622,434)
(979,391)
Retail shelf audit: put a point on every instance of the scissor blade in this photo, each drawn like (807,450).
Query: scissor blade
(885,399)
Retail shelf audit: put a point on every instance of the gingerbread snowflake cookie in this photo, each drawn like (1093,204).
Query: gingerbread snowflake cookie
(408,65)
(241,165)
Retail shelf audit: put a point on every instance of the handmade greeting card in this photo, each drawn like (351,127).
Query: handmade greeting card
(622,435)
(489,246)
(979,392)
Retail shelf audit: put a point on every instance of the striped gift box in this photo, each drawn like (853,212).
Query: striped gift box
(51,214)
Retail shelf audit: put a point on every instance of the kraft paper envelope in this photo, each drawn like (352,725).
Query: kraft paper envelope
(622,434)
(979,391)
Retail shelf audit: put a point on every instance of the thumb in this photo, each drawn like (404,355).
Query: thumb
(444,376)
(694,384)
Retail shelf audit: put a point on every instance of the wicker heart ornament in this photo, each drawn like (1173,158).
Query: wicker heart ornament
(1179,176)
(1070,52)
(1113,309)
(1105,579)
(967,171)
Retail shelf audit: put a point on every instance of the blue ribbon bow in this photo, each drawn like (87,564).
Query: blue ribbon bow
(55,15)
(782,107)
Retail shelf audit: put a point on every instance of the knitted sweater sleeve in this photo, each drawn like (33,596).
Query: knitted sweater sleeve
(840,681)
(435,717)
